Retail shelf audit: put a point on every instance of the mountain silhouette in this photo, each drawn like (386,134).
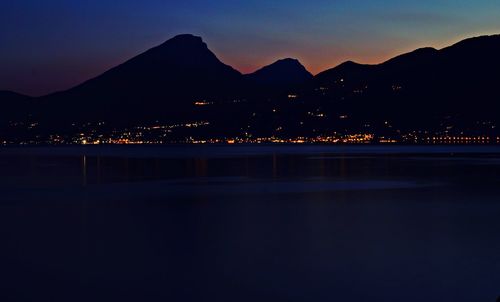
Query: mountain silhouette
(281,75)
(163,81)
(454,89)
(420,88)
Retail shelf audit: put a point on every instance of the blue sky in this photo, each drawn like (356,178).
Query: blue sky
(54,44)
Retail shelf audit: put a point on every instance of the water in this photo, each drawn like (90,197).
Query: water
(244,223)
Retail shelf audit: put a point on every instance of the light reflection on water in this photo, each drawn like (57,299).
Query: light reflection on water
(313,224)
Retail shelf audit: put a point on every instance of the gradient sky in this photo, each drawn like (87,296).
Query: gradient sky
(51,45)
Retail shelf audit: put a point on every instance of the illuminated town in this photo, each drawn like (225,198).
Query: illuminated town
(158,134)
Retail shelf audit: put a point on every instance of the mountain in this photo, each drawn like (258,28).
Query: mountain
(14,106)
(161,82)
(453,90)
(456,86)
(281,75)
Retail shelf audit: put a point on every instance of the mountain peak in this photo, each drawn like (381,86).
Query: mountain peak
(345,67)
(285,63)
(477,40)
(184,41)
(288,61)
(483,44)
(284,72)
(169,76)
(418,55)
(186,38)
(283,66)
(348,64)
(183,51)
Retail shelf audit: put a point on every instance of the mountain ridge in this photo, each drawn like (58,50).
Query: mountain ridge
(182,80)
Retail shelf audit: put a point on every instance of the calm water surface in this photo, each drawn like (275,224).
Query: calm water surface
(244,223)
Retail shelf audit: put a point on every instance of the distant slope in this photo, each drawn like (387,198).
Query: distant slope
(460,82)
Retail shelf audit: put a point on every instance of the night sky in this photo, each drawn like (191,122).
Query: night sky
(54,44)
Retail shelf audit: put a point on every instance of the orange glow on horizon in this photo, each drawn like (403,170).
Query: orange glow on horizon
(329,57)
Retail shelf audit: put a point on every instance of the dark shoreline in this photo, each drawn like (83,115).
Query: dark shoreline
(188,150)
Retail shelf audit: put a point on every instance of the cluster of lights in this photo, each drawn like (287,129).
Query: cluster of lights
(158,133)
(462,139)
(333,139)
(131,138)
(203,103)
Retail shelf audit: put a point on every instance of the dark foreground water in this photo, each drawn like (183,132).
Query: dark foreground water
(250,224)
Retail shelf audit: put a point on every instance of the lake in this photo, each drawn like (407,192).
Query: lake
(250,223)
